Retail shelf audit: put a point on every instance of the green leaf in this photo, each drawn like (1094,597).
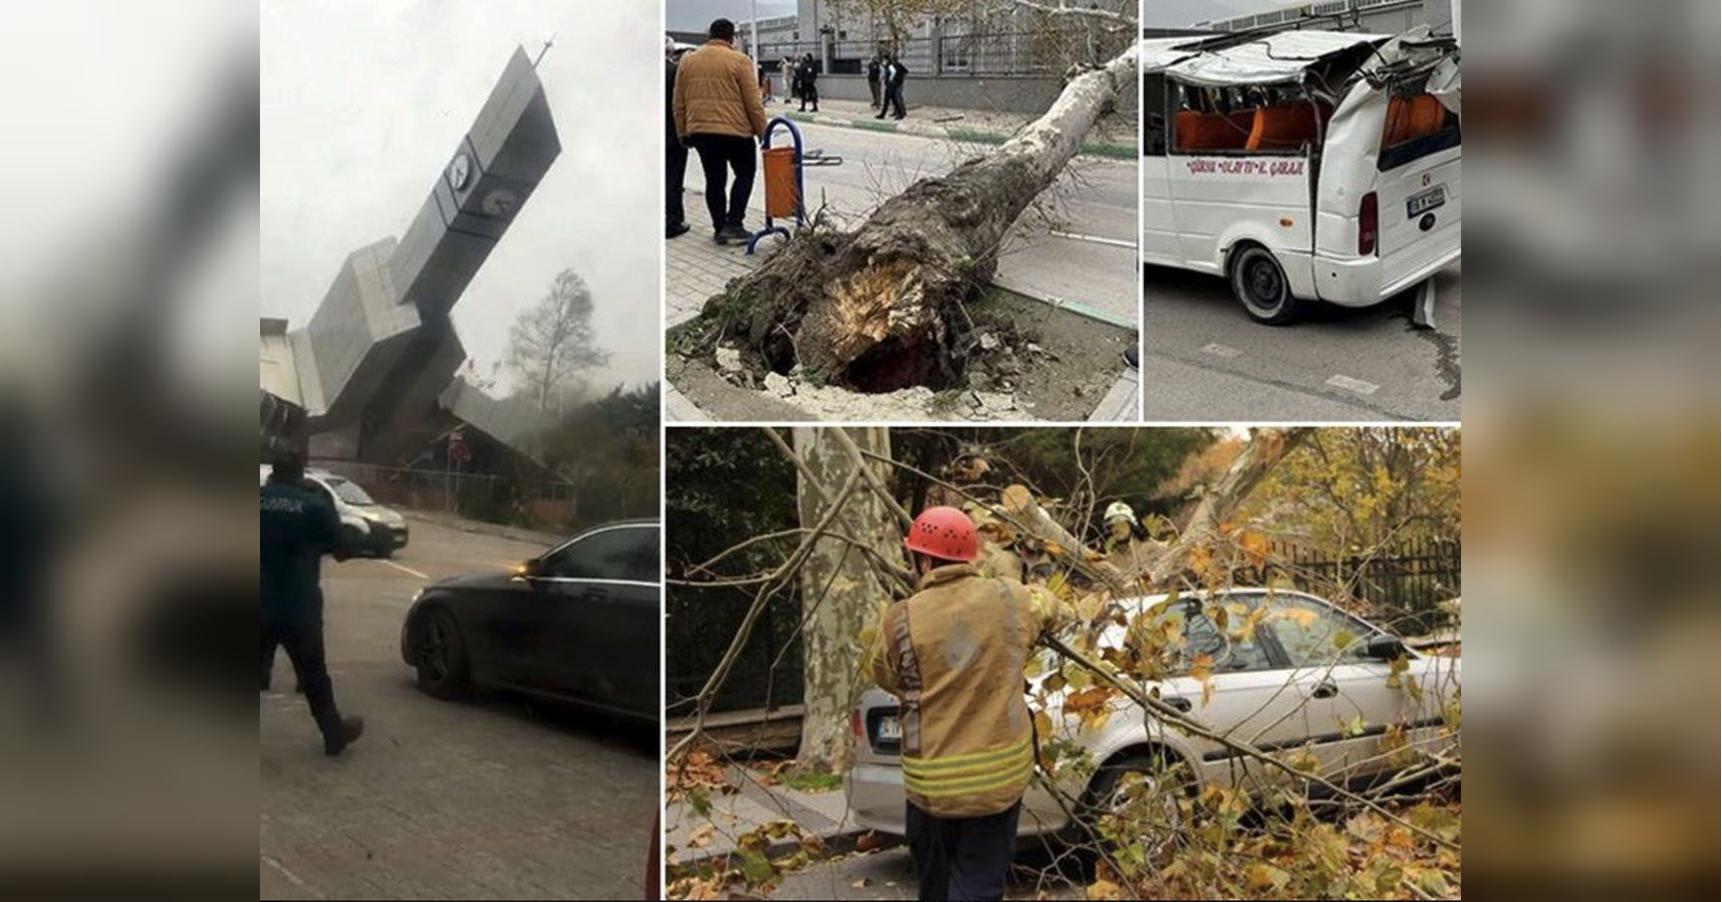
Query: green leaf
(755,867)
(700,802)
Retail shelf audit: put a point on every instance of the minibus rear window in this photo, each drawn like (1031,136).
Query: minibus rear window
(1417,125)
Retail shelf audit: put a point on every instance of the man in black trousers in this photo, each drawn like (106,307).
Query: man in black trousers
(675,152)
(894,75)
(807,73)
(297,527)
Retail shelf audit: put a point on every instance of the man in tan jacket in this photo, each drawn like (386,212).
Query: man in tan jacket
(953,654)
(718,113)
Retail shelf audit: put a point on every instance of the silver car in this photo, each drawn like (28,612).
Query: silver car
(1309,679)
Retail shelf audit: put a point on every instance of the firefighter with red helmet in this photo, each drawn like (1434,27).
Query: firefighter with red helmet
(953,654)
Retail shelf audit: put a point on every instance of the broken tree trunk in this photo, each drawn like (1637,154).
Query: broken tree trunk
(878,308)
(1264,451)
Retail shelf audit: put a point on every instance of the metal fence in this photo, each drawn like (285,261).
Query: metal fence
(1400,586)
(1044,53)
(474,496)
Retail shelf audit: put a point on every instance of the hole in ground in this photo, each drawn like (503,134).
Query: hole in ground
(898,364)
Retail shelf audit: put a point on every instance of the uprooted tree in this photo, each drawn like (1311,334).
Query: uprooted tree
(880,307)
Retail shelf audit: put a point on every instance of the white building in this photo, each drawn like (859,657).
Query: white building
(1371,16)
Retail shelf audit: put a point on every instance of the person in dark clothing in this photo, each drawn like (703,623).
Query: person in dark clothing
(807,73)
(894,75)
(297,526)
(873,69)
(675,156)
(962,858)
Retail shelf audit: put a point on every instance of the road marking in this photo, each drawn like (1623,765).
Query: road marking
(1219,350)
(1356,385)
(1094,238)
(291,877)
(405,569)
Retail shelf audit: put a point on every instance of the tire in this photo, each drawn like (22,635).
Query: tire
(439,656)
(1259,283)
(1098,799)
(355,543)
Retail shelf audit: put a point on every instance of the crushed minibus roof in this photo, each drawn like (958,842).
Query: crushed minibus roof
(1225,60)
(1267,59)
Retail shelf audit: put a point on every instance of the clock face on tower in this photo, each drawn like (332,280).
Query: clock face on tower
(500,203)
(459,172)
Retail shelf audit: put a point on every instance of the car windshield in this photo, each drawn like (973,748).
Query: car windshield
(348,491)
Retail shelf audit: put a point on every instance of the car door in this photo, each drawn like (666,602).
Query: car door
(1350,702)
(1246,697)
(621,666)
(1159,232)
(599,618)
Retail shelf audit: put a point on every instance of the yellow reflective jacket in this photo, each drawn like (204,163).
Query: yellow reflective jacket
(953,654)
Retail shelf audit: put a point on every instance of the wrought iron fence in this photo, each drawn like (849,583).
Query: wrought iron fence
(1045,53)
(1401,586)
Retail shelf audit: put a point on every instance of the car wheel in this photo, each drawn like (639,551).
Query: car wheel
(1259,283)
(353,540)
(443,667)
(1146,788)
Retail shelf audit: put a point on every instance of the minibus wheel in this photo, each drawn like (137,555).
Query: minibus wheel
(1259,283)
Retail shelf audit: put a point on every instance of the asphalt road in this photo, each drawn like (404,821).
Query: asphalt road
(1080,248)
(1207,361)
(494,797)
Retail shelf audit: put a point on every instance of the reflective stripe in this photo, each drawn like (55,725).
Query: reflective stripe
(975,772)
(971,786)
(962,762)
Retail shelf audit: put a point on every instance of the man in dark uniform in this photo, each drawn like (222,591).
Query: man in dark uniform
(297,527)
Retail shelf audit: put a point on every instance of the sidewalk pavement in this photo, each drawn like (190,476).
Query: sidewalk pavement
(1115,135)
(479,527)
(754,805)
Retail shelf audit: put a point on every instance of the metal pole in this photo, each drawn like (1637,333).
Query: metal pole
(753,31)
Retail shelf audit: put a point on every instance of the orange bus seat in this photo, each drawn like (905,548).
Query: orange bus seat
(1282,127)
(1212,131)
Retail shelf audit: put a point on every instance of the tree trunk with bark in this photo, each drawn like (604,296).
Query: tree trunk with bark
(879,308)
(1264,451)
(841,592)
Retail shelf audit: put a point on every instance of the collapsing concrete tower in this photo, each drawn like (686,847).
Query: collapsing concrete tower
(361,381)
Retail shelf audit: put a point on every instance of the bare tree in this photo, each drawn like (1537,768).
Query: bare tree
(553,340)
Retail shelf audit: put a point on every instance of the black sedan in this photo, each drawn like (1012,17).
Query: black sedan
(578,623)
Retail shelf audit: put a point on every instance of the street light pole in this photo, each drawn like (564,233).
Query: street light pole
(753,30)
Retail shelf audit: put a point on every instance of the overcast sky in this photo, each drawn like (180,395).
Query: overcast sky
(364,103)
(695,15)
(1181,13)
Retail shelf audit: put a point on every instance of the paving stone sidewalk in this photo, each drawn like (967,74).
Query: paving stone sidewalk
(754,805)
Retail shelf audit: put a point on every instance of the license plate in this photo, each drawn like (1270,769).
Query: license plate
(889,730)
(1424,201)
